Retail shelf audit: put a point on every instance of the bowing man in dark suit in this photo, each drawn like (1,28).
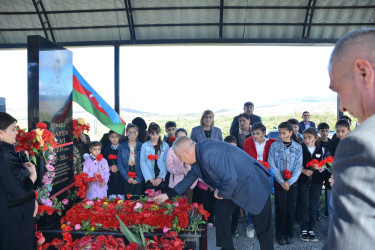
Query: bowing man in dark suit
(352,74)
(238,180)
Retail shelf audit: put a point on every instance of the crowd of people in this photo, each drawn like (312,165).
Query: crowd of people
(239,171)
(157,167)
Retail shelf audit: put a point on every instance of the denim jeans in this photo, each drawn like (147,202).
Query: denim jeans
(250,220)
(330,206)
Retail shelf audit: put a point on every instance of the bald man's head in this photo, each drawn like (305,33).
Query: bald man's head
(352,73)
(359,43)
(184,149)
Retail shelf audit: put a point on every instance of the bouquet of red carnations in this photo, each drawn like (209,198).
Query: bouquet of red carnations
(35,141)
(79,126)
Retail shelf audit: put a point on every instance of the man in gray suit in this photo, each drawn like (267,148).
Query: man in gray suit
(352,74)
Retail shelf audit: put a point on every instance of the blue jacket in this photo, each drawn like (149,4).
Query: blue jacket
(123,160)
(198,135)
(147,166)
(235,174)
(302,126)
(281,158)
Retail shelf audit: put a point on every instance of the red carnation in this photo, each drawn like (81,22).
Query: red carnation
(47,136)
(36,194)
(312,163)
(99,157)
(111,244)
(56,242)
(112,157)
(132,175)
(329,159)
(41,125)
(120,241)
(67,229)
(85,241)
(287,174)
(128,196)
(172,139)
(96,245)
(99,178)
(102,239)
(265,164)
(152,157)
(133,246)
(46,246)
(40,238)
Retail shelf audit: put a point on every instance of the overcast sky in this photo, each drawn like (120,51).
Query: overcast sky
(187,79)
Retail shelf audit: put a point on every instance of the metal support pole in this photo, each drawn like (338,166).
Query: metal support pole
(117,78)
(221,19)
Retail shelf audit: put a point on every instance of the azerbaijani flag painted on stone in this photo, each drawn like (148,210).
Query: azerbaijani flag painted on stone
(92,102)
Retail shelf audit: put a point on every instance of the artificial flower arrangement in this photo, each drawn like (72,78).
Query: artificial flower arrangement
(79,126)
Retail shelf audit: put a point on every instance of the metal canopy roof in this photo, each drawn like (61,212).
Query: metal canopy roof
(108,22)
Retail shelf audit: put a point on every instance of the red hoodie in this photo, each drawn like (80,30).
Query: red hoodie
(249,147)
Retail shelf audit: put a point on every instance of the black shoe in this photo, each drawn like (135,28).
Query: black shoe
(281,242)
(288,240)
(312,236)
(235,233)
(304,235)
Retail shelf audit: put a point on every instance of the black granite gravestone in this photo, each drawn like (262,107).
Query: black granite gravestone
(50,86)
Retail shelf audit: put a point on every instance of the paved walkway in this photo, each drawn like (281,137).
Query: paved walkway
(243,243)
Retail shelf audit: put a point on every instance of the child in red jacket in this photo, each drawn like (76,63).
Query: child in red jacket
(257,146)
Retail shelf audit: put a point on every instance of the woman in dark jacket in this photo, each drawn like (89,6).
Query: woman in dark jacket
(18,205)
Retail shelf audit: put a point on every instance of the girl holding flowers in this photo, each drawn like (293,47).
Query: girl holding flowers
(153,159)
(310,183)
(116,183)
(285,157)
(96,166)
(178,169)
(128,160)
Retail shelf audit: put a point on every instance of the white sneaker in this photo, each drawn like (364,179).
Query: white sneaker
(250,232)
